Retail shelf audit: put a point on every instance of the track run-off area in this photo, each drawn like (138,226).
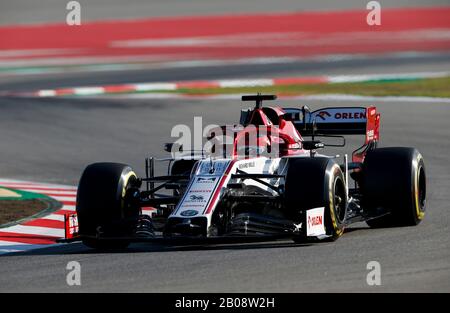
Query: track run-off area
(39,232)
(194,40)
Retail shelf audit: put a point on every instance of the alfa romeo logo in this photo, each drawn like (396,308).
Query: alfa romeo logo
(189,213)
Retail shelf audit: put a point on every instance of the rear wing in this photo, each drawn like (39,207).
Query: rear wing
(337,121)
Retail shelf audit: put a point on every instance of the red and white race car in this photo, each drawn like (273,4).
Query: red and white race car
(262,179)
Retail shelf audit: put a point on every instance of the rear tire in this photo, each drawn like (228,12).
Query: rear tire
(395,180)
(312,183)
(101,205)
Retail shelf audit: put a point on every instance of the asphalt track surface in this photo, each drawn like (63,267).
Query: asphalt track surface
(57,138)
(52,140)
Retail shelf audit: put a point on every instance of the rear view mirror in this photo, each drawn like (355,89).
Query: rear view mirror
(245,117)
(331,140)
(292,117)
(312,144)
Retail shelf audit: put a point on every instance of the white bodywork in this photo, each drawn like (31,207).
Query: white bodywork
(207,186)
(210,178)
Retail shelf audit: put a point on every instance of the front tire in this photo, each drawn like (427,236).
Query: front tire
(102,207)
(395,180)
(317,182)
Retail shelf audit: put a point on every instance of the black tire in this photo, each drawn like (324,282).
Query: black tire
(316,182)
(101,205)
(394,179)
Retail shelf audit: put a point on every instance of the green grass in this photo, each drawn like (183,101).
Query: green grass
(23,195)
(435,87)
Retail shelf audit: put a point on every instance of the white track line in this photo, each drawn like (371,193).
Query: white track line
(231,83)
(327,97)
(35,185)
(369,77)
(53,193)
(340,97)
(155,86)
(62,199)
(54,217)
(68,208)
(35,230)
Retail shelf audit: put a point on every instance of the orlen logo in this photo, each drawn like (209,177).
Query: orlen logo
(314,220)
(323,115)
(350,116)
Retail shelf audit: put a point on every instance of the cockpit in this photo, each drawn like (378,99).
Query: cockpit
(262,132)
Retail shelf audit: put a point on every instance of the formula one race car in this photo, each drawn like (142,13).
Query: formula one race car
(262,179)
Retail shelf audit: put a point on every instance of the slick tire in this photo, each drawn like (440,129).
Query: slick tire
(101,205)
(394,179)
(312,183)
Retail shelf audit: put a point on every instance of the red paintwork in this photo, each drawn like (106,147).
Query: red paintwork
(285,134)
(372,133)
(219,188)
(296,34)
